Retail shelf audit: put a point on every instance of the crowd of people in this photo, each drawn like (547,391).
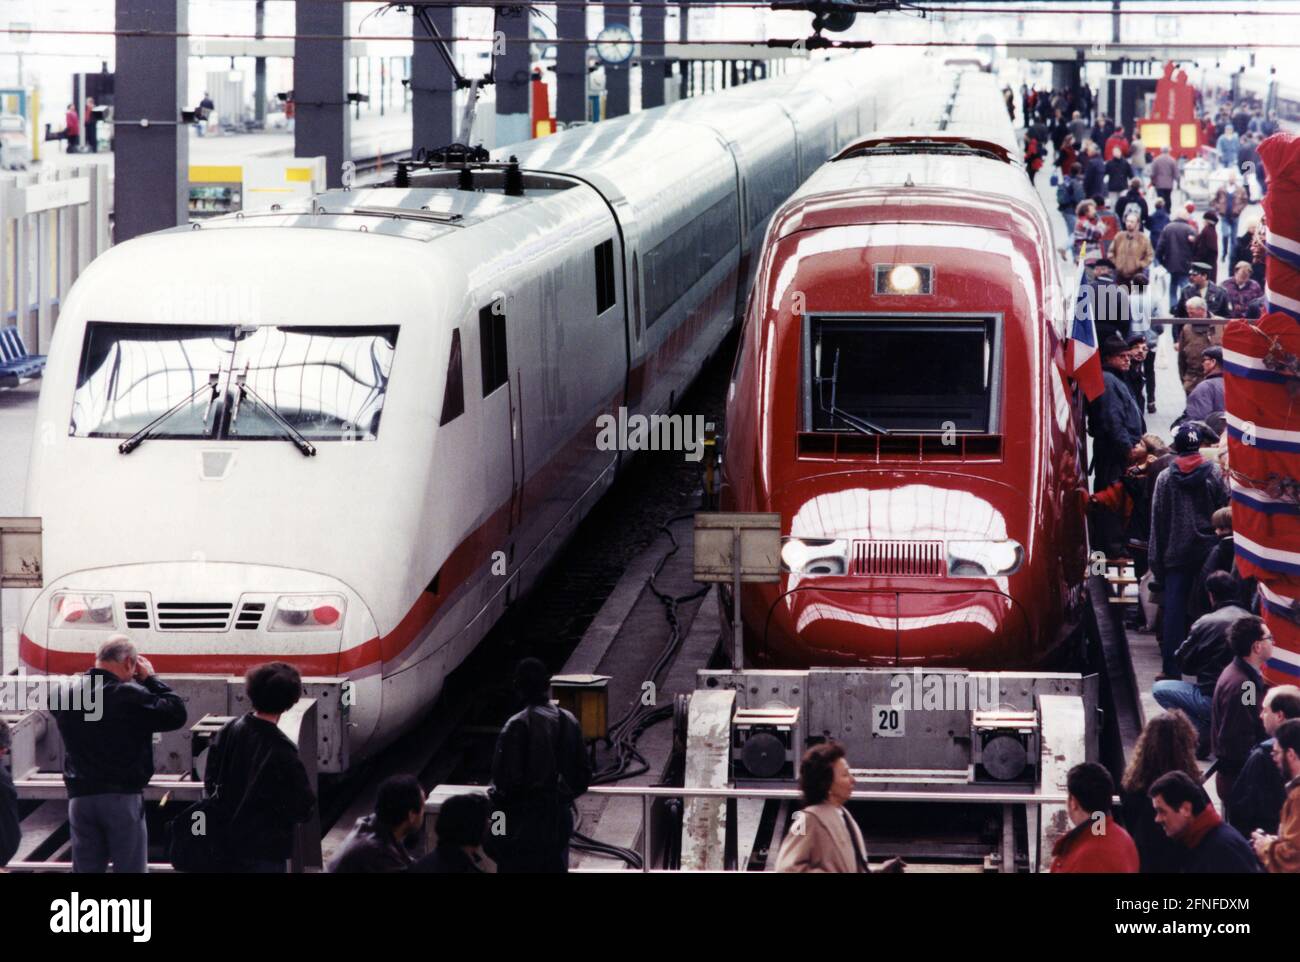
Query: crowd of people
(1164,504)
(257,791)
(1166,822)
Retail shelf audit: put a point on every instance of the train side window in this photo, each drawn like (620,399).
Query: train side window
(604,276)
(453,396)
(492,342)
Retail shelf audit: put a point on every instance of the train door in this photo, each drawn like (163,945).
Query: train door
(499,426)
(634,295)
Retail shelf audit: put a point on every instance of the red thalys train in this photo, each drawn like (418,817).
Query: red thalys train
(900,399)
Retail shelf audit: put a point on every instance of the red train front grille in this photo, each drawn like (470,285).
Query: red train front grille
(906,559)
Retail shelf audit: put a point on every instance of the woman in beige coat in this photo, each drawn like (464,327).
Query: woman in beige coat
(823,836)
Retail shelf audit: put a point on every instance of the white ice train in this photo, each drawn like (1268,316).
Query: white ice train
(348,435)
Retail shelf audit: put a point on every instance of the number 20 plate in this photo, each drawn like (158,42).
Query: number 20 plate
(887,721)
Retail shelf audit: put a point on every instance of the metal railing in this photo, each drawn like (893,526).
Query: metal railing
(648,794)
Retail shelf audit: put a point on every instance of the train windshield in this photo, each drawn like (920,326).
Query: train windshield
(226,382)
(888,375)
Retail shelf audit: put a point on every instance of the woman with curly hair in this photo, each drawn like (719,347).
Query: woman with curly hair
(1167,744)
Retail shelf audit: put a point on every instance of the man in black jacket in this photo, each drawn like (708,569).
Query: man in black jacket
(1183,501)
(1204,654)
(260,783)
(1215,297)
(108,756)
(540,766)
(1260,791)
(462,822)
(1114,420)
(380,842)
(11,832)
(1186,814)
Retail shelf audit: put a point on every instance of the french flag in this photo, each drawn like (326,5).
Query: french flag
(1082,359)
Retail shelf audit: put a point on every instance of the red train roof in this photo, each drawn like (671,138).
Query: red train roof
(967,188)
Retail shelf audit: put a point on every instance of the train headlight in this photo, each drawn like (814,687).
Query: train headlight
(307,613)
(815,556)
(984,559)
(75,609)
(904,279)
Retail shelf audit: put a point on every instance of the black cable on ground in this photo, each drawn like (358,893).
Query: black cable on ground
(627,761)
(623,734)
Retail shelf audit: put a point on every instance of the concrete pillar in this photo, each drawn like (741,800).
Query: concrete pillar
(685,70)
(618,90)
(652,54)
(512,77)
(433,97)
(259,67)
(151,186)
(320,87)
(571,65)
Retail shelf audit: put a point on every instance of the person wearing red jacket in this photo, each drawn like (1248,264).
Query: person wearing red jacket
(1033,157)
(71,128)
(1097,843)
(1117,139)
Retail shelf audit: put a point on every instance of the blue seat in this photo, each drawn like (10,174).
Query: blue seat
(16,365)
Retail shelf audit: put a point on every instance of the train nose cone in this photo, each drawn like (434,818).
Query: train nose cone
(977,628)
(842,627)
(888,627)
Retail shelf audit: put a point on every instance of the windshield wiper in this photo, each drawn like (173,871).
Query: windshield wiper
(135,440)
(854,421)
(290,433)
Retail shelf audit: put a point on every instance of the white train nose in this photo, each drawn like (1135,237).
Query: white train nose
(201,617)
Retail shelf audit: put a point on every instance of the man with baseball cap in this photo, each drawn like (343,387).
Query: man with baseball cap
(1207,397)
(1186,495)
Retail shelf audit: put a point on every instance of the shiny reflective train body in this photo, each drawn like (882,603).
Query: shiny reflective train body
(900,399)
(348,435)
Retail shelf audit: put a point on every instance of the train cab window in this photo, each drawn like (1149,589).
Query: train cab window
(492,343)
(250,382)
(453,396)
(605,276)
(901,375)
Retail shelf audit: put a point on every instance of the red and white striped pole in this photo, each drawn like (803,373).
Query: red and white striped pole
(1262,396)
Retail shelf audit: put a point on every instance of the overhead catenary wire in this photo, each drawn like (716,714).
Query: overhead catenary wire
(934,6)
(823,43)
